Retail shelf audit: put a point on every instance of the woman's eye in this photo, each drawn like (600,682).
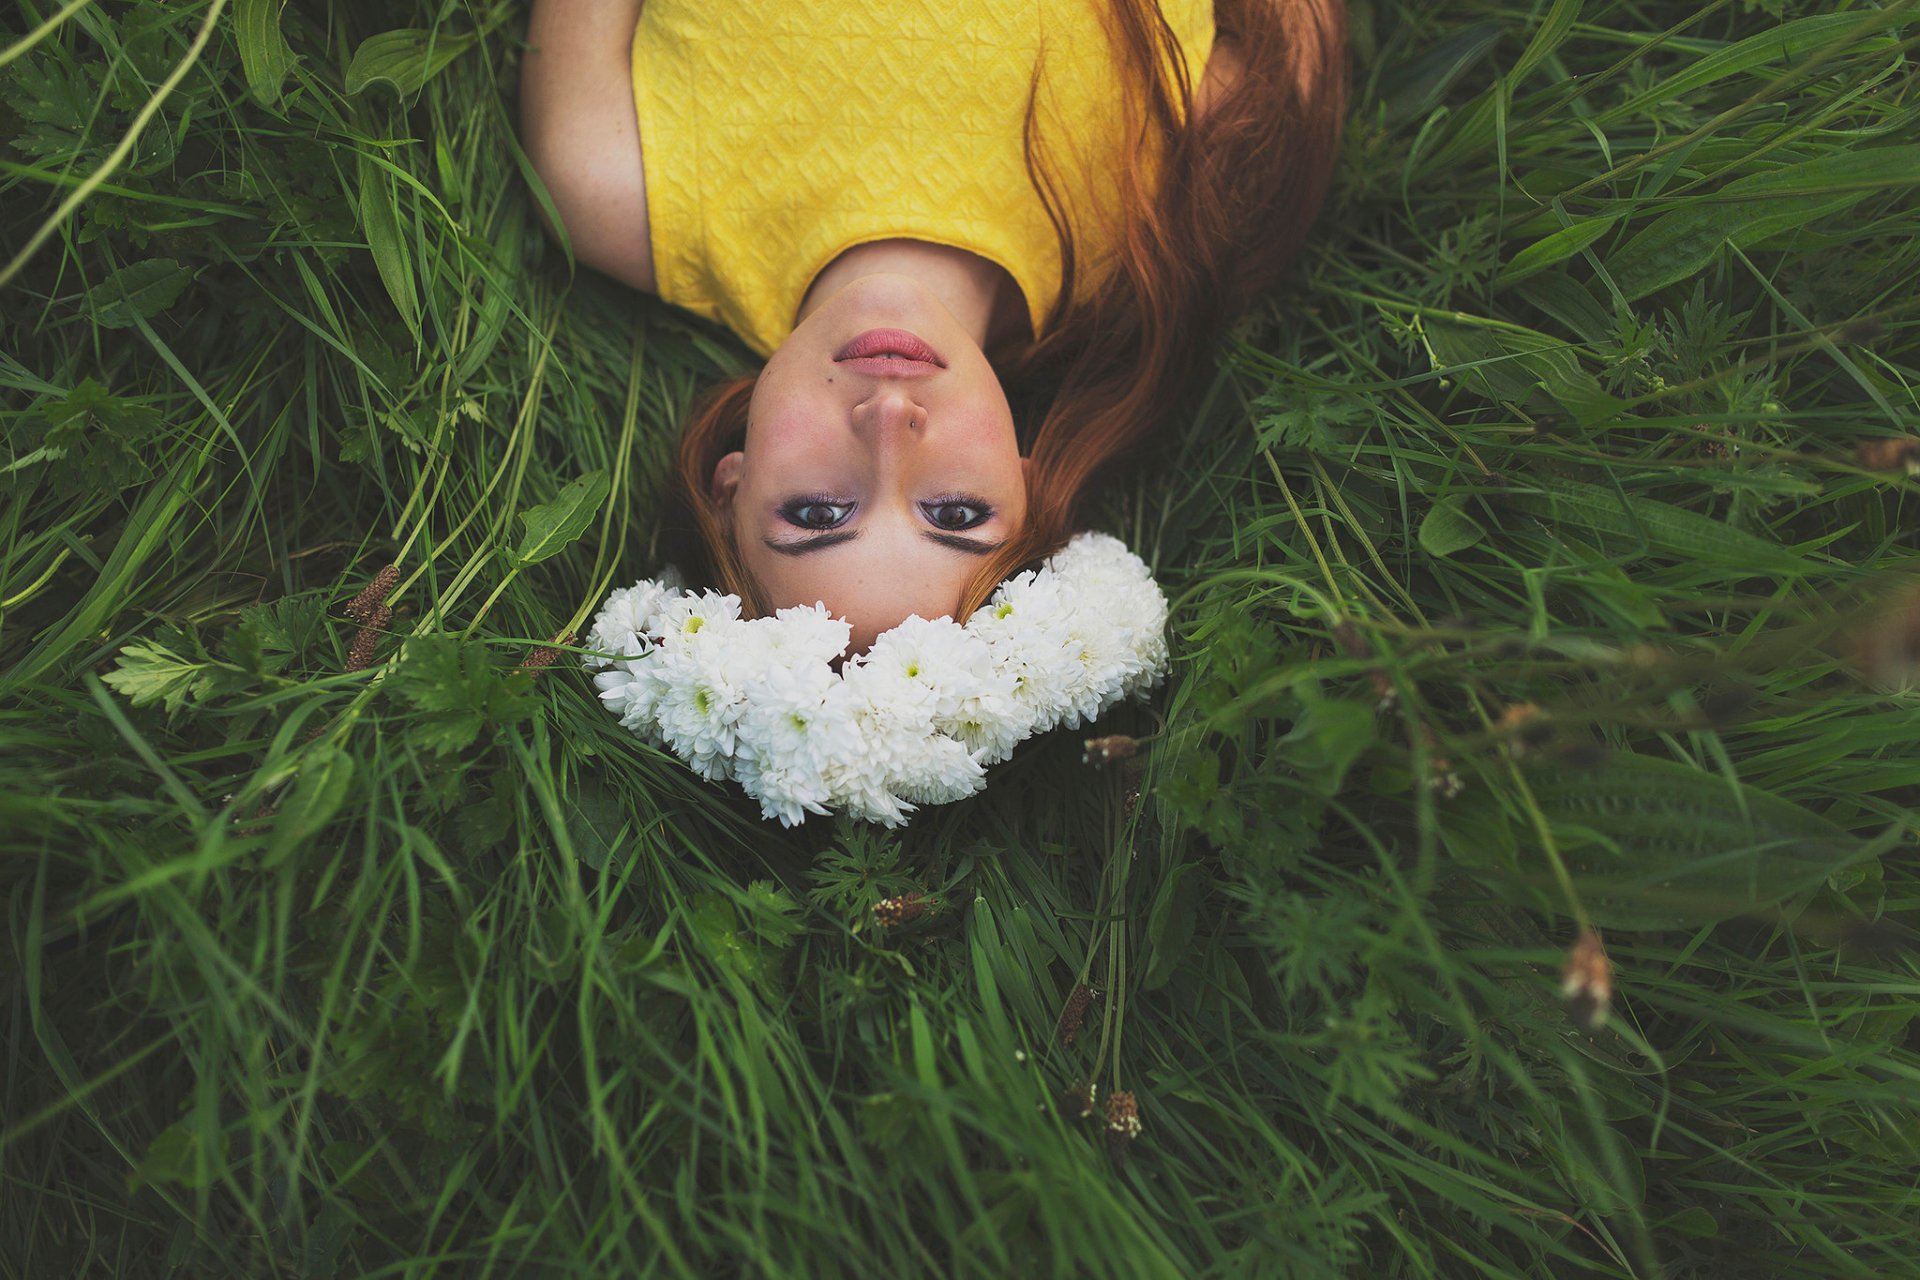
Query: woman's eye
(816,513)
(956,513)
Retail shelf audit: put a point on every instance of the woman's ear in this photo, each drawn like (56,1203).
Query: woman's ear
(726,478)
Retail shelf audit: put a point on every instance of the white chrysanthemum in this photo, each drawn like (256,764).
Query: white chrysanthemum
(1117,623)
(913,721)
(782,740)
(886,718)
(624,623)
(939,660)
(1027,627)
(808,633)
(936,770)
(683,616)
(699,697)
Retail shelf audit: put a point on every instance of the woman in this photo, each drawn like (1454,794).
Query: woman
(909,210)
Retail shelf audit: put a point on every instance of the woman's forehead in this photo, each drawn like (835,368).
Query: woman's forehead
(886,574)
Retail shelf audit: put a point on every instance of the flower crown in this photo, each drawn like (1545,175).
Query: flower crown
(915,720)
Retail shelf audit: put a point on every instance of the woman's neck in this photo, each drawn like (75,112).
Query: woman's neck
(981,295)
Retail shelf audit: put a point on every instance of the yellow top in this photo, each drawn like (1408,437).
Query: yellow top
(777,134)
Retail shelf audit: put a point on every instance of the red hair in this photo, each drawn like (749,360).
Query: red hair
(1211,214)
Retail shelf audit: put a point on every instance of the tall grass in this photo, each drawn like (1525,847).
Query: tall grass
(1544,560)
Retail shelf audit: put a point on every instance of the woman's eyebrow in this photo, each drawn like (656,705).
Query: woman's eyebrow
(820,542)
(972,546)
(807,546)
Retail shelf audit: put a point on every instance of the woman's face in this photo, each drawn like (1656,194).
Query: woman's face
(880,461)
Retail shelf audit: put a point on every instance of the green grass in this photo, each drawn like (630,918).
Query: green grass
(429,969)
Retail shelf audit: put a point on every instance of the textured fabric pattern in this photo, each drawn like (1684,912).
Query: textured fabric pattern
(777,134)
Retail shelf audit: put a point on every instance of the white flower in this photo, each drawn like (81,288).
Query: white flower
(623,624)
(683,616)
(784,738)
(935,659)
(698,699)
(915,720)
(810,634)
(1025,625)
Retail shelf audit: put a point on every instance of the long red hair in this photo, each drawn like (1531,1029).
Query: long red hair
(1212,212)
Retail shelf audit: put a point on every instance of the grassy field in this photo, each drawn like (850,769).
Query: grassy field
(1544,559)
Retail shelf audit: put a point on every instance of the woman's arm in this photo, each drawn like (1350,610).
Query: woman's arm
(578,125)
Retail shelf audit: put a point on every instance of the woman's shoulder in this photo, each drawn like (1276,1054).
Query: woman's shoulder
(581,135)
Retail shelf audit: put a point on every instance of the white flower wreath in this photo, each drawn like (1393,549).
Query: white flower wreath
(915,720)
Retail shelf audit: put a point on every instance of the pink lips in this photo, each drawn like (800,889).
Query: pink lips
(890,353)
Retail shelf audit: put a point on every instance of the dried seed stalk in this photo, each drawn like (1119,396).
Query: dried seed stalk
(1075,1012)
(900,910)
(1586,981)
(1123,1123)
(373,596)
(1100,751)
(547,654)
(367,639)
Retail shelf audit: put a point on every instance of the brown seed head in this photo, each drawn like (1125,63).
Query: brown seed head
(1586,981)
(361,607)
(367,639)
(1075,1012)
(547,654)
(1890,455)
(1123,1114)
(1525,728)
(1888,649)
(1100,751)
(900,910)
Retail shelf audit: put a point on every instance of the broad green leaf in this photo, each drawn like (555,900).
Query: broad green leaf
(1327,738)
(264,53)
(1507,362)
(1654,844)
(140,290)
(1448,528)
(326,774)
(595,823)
(1558,247)
(1695,1220)
(1655,526)
(179,1156)
(1569,302)
(405,59)
(1170,924)
(716,927)
(551,527)
(1749,210)
(380,220)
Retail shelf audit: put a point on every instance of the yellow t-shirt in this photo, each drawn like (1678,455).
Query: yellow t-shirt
(777,134)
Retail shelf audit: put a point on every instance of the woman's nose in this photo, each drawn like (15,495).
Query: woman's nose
(889,411)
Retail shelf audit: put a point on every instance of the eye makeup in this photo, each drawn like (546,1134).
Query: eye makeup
(981,509)
(795,511)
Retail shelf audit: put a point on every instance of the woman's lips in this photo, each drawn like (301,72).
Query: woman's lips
(890,353)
